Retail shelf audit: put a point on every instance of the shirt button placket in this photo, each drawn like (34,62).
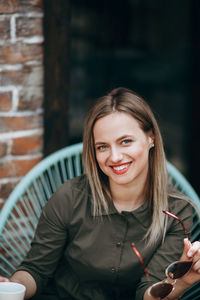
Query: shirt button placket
(119,245)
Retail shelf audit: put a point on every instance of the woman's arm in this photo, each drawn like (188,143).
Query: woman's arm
(27,280)
(24,278)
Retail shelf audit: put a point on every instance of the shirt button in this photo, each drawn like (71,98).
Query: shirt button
(113,270)
(118,244)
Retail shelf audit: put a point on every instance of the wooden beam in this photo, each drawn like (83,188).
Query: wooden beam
(56,76)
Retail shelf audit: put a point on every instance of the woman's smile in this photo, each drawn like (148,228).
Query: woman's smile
(120,169)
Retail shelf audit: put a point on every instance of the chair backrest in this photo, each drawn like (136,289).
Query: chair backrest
(20,214)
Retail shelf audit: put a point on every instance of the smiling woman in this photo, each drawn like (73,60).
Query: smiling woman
(83,246)
(123,120)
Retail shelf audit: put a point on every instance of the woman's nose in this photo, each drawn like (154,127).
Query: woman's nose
(115,155)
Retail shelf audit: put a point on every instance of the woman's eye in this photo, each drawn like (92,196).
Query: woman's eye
(126,142)
(101,147)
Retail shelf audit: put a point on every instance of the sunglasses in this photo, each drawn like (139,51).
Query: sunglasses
(174,271)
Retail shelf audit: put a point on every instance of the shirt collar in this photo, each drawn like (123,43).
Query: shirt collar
(111,210)
(138,213)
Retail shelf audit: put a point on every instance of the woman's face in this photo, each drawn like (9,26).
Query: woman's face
(122,149)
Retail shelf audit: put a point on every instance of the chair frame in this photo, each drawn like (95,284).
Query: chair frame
(27,180)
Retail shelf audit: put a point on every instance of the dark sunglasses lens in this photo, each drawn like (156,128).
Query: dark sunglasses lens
(161,290)
(178,269)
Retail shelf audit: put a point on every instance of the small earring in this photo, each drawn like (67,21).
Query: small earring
(152,145)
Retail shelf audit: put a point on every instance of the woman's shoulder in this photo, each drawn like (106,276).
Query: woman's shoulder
(75,185)
(178,202)
(181,207)
(72,193)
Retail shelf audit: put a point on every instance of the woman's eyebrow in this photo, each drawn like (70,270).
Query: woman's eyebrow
(118,139)
(99,143)
(125,136)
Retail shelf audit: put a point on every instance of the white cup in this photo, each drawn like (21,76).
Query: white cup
(12,291)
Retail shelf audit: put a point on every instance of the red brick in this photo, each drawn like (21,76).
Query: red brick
(27,145)
(26,27)
(5,101)
(30,5)
(6,189)
(30,98)
(12,77)
(8,6)
(15,168)
(4,28)
(13,6)
(3,149)
(19,53)
(20,123)
(27,76)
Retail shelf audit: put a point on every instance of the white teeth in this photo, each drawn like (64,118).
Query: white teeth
(120,167)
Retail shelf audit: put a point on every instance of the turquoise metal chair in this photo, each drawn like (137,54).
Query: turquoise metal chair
(20,214)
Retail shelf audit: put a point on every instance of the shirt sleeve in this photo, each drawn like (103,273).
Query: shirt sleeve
(171,249)
(50,238)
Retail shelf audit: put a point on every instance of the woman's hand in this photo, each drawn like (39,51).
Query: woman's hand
(191,252)
(4,279)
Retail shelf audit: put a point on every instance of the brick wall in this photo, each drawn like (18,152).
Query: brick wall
(21,90)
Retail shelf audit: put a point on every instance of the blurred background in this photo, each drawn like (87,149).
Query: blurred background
(150,46)
(90,47)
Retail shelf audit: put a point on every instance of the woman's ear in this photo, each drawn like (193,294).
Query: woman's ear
(151,140)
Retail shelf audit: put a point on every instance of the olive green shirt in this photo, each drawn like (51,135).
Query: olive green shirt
(91,258)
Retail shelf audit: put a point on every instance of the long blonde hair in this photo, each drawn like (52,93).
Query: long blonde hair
(127,101)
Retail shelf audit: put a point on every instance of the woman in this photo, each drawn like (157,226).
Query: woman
(100,232)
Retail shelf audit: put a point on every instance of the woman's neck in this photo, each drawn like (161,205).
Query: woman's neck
(128,198)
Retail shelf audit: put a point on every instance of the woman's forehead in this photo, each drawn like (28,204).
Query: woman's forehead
(117,124)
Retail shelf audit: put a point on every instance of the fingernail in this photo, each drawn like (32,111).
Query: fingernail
(189,253)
